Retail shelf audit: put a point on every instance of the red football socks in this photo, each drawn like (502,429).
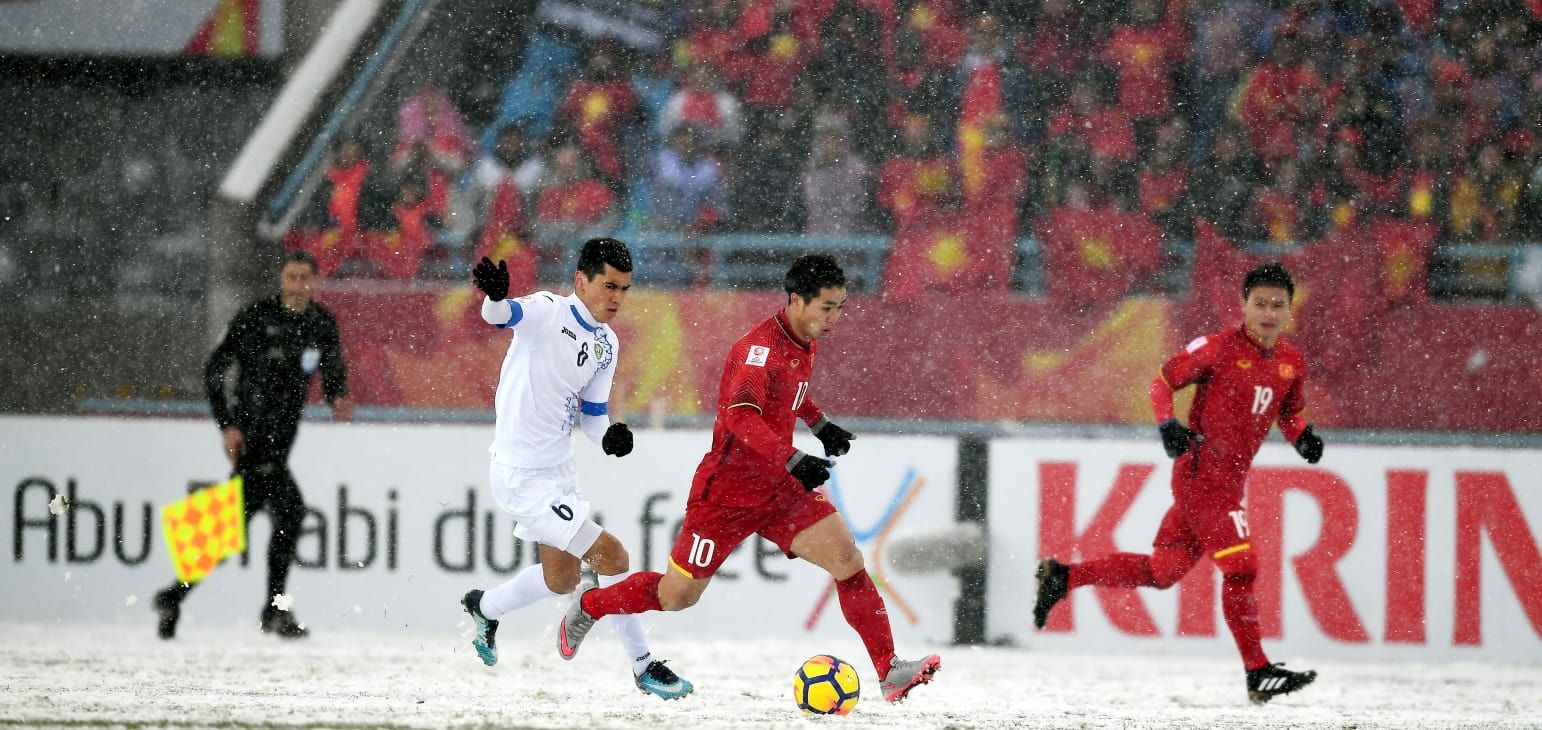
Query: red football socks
(1120,570)
(636,594)
(1242,618)
(865,612)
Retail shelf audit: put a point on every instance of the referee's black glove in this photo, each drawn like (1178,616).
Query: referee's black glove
(837,440)
(1175,437)
(812,471)
(1309,446)
(617,440)
(492,280)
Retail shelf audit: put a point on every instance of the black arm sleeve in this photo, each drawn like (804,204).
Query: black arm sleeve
(218,366)
(334,372)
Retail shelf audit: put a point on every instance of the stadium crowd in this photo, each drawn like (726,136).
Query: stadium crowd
(1279,122)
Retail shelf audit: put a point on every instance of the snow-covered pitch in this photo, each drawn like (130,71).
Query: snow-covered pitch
(122,676)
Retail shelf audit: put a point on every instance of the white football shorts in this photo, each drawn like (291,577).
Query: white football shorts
(546,505)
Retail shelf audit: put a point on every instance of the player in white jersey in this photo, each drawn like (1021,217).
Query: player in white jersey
(558,373)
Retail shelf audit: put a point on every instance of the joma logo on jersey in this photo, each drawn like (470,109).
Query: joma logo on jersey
(570,334)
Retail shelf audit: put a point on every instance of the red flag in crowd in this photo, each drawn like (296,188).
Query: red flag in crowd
(1404,246)
(1098,254)
(933,253)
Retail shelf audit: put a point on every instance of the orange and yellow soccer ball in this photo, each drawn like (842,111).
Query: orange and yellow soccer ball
(825,685)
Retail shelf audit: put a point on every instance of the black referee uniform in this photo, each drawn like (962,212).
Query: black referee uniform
(278,350)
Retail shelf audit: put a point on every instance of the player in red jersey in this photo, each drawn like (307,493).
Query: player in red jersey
(1248,378)
(754,482)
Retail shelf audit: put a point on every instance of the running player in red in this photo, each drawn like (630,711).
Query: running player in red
(754,482)
(1248,378)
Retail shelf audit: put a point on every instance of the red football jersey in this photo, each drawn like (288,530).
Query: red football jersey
(764,388)
(1243,389)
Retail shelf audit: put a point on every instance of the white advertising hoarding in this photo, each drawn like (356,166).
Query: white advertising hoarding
(1419,553)
(402,524)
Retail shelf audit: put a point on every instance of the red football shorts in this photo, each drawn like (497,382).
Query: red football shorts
(710,531)
(1205,520)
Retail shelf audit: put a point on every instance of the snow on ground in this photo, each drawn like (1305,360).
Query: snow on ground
(121,676)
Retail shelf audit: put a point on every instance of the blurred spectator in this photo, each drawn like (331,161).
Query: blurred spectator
(433,148)
(1428,178)
(399,253)
(1054,49)
(1224,49)
(1282,97)
(764,183)
(850,73)
(1226,177)
(1162,187)
(778,40)
(705,104)
(1091,127)
(918,182)
(995,179)
(713,35)
(938,28)
(1282,212)
(1145,52)
(836,181)
(600,105)
(511,160)
(501,183)
(689,192)
(988,83)
(351,195)
(1484,199)
(574,199)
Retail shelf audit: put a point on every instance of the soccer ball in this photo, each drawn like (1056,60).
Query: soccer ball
(825,685)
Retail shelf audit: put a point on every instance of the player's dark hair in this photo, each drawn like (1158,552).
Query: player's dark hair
(1273,274)
(811,273)
(597,252)
(301,257)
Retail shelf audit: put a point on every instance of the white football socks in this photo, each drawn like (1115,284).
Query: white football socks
(526,587)
(629,629)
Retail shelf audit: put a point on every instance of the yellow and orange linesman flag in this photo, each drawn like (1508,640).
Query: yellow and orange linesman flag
(203,528)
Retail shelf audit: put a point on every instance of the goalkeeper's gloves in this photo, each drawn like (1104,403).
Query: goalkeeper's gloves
(812,471)
(492,280)
(837,440)
(1309,445)
(1175,437)
(617,440)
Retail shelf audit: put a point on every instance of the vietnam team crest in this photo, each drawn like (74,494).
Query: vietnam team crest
(1245,363)
(1287,370)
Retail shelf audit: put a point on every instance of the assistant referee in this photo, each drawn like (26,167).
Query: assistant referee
(279,343)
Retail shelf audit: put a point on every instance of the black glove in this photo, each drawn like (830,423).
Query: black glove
(1175,437)
(492,280)
(1309,446)
(837,440)
(811,470)
(617,441)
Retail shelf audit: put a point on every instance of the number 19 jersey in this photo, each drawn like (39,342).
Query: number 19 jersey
(1242,390)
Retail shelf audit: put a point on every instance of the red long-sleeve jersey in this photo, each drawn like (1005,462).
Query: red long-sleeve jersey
(1243,389)
(765,387)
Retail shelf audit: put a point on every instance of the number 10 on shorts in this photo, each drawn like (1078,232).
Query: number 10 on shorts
(702,550)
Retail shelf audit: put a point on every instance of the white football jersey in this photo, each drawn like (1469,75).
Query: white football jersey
(559,367)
